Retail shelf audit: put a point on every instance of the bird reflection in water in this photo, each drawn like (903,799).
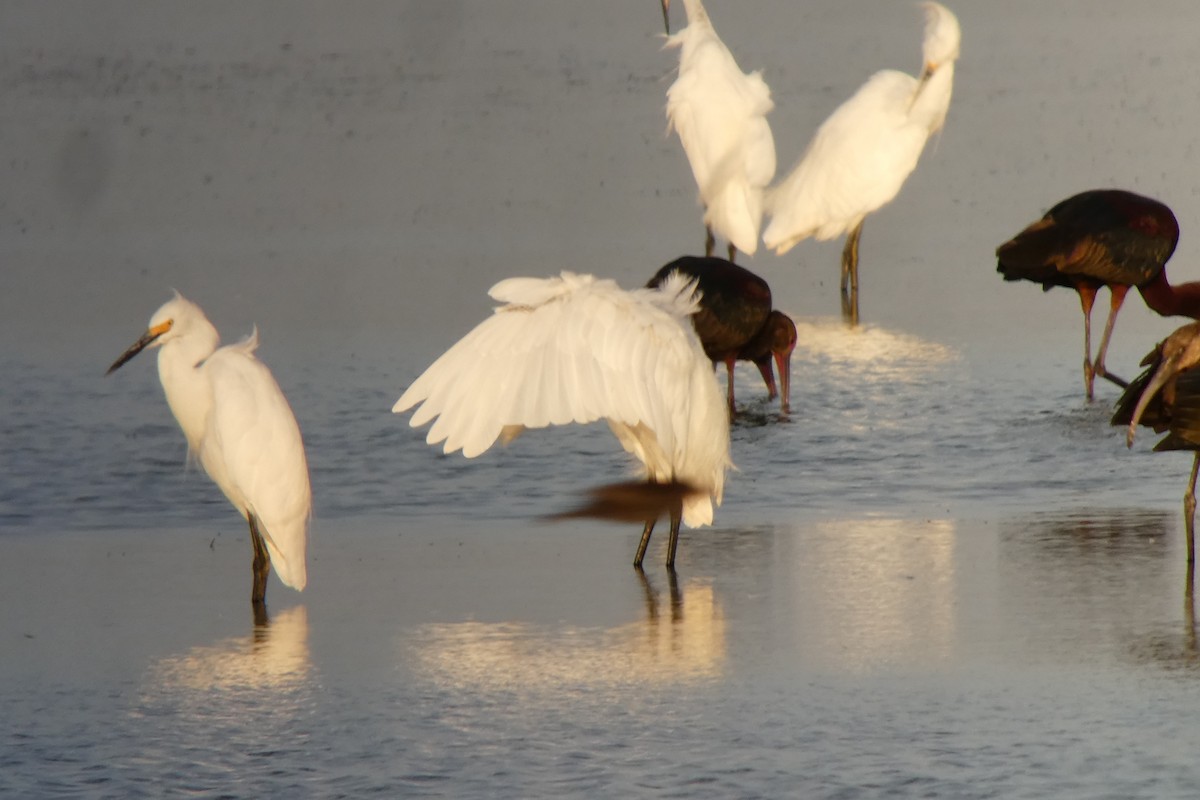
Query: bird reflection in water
(273,657)
(682,639)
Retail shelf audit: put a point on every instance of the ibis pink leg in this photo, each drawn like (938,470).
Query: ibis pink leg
(1118,297)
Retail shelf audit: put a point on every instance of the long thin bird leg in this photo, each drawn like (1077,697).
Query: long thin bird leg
(261,566)
(673,542)
(1087,298)
(850,308)
(732,252)
(850,259)
(850,274)
(1189,512)
(710,241)
(1118,297)
(730,362)
(641,551)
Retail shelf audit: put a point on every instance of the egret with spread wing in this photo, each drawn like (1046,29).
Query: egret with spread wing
(576,348)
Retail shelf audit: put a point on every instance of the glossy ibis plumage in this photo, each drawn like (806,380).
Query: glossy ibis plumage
(1102,237)
(736,321)
(1166,397)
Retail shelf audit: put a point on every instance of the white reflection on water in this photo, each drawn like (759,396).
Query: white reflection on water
(274,657)
(681,639)
(868,345)
(886,591)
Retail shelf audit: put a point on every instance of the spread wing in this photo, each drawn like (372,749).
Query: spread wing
(575,348)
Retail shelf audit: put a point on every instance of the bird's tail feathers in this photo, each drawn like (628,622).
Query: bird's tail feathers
(679,293)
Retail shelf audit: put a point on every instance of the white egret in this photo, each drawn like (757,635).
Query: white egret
(240,427)
(720,114)
(576,348)
(860,157)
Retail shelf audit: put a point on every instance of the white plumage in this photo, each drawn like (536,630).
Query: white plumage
(720,114)
(860,157)
(239,426)
(576,348)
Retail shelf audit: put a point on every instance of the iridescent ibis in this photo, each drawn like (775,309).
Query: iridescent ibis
(1166,397)
(1102,237)
(736,321)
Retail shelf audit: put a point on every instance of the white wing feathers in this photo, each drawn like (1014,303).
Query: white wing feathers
(720,113)
(857,161)
(575,348)
(253,451)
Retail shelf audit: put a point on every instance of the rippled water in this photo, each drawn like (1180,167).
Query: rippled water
(943,575)
(914,587)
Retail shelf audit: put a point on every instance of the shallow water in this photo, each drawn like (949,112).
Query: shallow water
(942,575)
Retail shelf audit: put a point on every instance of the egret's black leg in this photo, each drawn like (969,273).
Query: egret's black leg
(710,241)
(673,542)
(850,259)
(261,566)
(641,551)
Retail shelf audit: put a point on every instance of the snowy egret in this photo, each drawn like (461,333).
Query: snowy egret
(736,321)
(720,114)
(862,154)
(241,428)
(575,348)
(1103,237)
(1167,397)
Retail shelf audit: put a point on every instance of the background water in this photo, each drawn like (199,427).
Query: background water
(943,575)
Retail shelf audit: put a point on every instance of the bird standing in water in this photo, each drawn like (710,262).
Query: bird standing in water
(1166,397)
(1102,237)
(720,114)
(240,427)
(735,321)
(862,154)
(576,348)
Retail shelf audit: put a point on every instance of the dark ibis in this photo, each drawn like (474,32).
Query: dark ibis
(1102,237)
(1166,397)
(736,321)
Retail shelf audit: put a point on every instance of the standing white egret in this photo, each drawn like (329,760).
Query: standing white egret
(575,348)
(860,157)
(241,428)
(720,114)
